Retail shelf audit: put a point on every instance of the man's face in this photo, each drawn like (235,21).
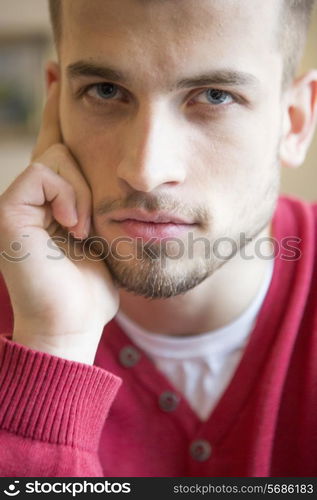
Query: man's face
(188,124)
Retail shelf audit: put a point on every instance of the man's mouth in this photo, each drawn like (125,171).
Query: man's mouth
(157,225)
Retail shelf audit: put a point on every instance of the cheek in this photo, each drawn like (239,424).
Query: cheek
(234,163)
(225,156)
(242,146)
(95,145)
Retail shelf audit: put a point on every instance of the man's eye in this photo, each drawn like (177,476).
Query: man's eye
(104,91)
(215,97)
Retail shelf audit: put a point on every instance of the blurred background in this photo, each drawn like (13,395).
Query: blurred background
(25,45)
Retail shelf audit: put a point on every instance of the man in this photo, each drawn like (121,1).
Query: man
(183,277)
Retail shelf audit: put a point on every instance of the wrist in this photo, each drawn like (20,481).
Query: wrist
(71,349)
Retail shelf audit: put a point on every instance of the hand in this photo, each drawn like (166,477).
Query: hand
(60,305)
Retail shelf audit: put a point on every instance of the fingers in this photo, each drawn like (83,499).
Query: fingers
(33,192)
(50,129)
(39,195)
(59,159)
(51,153)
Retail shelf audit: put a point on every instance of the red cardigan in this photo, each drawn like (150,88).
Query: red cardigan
(60,418)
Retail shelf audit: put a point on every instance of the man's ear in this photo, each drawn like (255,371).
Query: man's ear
(299,122)
(52,73)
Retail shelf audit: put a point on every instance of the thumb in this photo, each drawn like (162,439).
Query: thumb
(50,132)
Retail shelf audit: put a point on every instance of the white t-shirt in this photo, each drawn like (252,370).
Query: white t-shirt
(200,367)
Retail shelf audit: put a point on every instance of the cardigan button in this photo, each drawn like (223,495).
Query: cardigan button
(168,401)
(200,450)
(129,356)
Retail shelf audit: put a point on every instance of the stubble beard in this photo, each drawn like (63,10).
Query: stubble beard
(157,275)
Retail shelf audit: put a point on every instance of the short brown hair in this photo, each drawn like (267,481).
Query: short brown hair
(294,23)
(294,20)
(56,15)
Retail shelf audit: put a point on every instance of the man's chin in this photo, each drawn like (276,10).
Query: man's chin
(152,280)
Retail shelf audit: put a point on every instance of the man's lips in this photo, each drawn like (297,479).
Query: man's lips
(154,217)
(157,225)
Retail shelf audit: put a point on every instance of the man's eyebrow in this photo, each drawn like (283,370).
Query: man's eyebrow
(221,77)
(226,77)
(83,68)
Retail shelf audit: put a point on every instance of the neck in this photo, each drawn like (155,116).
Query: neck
(219,300)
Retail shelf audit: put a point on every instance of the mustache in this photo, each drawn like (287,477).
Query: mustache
(152,203)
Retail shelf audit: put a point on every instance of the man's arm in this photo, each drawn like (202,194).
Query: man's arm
(52,412)
(53,402)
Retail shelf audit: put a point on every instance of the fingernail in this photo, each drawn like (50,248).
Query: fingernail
(74,217)
(87,227)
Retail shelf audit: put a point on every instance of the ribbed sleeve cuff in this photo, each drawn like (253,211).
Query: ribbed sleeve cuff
(51,399)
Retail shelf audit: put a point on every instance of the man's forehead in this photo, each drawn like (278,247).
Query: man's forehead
(153,38)
(180,17)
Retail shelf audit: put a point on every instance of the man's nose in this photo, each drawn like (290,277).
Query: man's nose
(153,153)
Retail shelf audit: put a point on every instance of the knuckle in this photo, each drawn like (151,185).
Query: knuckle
(35,168)
(56,153)
(69,173)
(59,149)
(68,188)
